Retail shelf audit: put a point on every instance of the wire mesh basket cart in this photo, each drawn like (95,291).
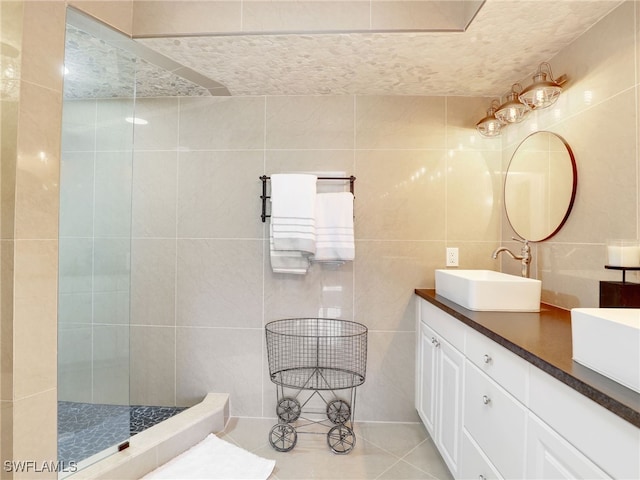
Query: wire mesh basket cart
(316,364)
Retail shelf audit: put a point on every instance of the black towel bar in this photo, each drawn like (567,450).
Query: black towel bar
(264,195)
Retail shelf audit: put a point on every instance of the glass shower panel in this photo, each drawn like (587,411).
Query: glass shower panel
(94,244)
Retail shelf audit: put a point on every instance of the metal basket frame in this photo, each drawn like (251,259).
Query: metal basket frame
(320,356)
(317,353)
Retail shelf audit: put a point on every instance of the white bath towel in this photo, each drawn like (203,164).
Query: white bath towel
(287,261)
(214,458)
(293,203)
(334,227)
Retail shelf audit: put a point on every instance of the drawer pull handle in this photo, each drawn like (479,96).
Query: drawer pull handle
(435,342)
(486,400)
(486,358)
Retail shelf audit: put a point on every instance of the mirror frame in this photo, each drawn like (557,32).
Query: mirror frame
(574,187)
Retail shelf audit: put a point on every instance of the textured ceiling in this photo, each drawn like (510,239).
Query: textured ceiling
(505,43)
(95,68)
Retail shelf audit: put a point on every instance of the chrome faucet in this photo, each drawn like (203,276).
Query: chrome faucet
(524,257)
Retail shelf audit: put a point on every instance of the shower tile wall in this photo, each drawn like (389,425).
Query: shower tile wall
(202,287)
(95,251)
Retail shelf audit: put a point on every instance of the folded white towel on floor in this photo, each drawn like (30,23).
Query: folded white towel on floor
(334,227)
(293,204)
(214,458)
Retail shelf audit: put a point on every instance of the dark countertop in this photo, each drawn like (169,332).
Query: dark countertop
(544,339)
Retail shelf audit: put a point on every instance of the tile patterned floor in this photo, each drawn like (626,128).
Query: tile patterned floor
(382,451)
(85,429)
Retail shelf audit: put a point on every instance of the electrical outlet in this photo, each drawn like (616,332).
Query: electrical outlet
(452,256)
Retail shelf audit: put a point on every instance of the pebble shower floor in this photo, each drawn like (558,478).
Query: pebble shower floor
(85,429)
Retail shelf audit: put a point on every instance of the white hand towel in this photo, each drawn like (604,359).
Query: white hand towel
(334,227)
(293,203)
(287,261)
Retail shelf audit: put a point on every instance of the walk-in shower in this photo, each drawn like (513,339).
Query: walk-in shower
(103,78)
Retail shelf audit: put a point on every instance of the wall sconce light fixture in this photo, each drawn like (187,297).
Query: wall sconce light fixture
(513,110)
(490,126)
(542,93)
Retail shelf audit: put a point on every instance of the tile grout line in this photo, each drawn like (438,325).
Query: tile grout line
(403,457)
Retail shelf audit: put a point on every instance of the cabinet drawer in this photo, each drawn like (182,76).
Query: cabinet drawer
(496,421)
(444,324)
(474,464)
(503,366)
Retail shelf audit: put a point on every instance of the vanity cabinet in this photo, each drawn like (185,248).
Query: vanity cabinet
(492,414)
(439,382)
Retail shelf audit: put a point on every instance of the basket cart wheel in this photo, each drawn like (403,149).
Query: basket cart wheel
(338,411)
(283,437)
(341,439)
(288,409)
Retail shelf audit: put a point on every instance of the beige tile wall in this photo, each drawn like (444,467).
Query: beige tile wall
(202,287)
(30,234)
(598,116)
(11,38)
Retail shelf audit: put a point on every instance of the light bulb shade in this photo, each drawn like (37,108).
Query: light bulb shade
(513,110)
(489,126)
(542,93)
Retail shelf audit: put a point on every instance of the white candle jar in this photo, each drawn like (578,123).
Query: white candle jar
(623,253)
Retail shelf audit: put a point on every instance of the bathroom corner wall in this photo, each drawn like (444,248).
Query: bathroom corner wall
(202,286)
(30,169)
(598,115)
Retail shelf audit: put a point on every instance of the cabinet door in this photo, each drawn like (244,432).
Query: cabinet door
(549,456)
(473,463)
(609,441)
(427,359)
(449,408)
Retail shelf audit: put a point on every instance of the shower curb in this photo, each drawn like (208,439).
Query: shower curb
(158,444)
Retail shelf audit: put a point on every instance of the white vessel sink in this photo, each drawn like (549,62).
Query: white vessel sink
(486,290)
(607,340)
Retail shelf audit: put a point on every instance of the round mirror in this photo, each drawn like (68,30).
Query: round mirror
(540,186)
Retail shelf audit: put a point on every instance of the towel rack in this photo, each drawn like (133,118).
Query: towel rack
(264,195)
